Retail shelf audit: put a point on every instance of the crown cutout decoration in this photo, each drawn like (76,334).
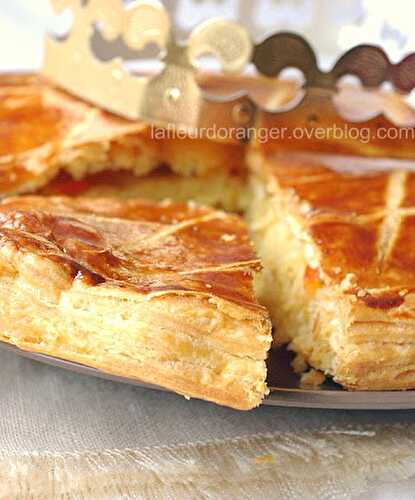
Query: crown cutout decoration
(172,96)
(175,95)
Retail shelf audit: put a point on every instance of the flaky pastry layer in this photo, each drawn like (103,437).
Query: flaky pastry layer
(339,271)
(158,292)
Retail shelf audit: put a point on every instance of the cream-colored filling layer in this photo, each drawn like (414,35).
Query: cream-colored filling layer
(139,155)
(314,320)
(217,190)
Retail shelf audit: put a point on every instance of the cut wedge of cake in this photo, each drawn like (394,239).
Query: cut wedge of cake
(336,236)
(157,292)
(54,143)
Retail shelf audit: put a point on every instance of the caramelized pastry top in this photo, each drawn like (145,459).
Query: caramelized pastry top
(44,130)
(361,221)
(37,121)
(152,248)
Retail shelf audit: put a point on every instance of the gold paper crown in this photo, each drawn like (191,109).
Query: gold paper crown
(174,96)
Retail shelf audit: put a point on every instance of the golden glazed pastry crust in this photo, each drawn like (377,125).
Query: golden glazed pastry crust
(158,292)
(337,246)
(45,132)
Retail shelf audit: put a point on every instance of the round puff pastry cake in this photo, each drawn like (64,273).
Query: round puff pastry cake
(176,280)
(158,292)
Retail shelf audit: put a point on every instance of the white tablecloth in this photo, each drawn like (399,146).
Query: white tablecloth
(64,433)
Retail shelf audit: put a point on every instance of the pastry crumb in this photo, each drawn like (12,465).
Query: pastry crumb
(299,364)
(312,378)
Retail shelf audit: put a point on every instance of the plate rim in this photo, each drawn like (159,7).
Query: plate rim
(279,396)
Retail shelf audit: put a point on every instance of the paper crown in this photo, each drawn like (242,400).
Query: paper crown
(175,95)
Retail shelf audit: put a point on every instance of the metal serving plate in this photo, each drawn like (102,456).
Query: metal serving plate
(284,383)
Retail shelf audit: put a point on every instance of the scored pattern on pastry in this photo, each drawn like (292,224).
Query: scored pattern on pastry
(392,219)
(145,246)
(160,292)
(52,141)
(178,226)
(361,222)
